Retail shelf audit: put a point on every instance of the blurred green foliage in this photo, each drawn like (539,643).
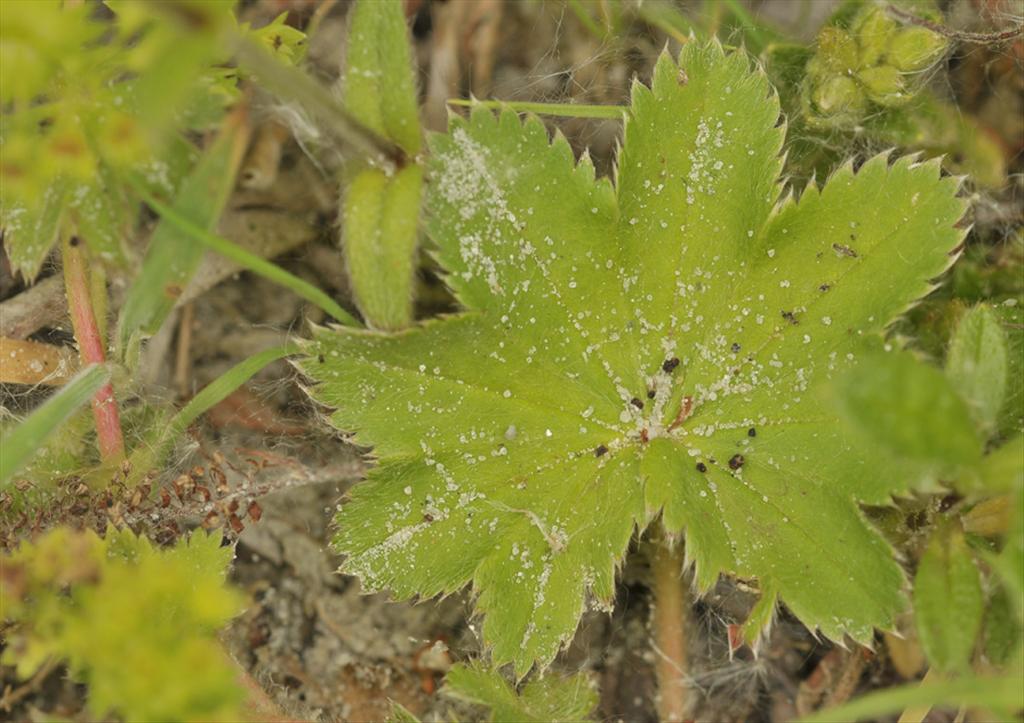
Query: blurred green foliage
(91,92)
(136,623)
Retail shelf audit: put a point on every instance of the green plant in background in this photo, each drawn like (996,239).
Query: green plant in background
(537,430)
(864,82)
(135,623)
(873,60)
(689,352)
(968,590)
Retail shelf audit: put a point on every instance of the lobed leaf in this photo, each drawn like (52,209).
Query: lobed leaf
(655,347)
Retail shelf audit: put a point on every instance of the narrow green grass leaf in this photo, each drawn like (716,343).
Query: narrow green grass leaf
(218,390)
(661,345)
(550,699)
(668,18)
(22,441)
(150,455)
(1003,694)
(173,255)
(246,259)
(977,364)
(564,110)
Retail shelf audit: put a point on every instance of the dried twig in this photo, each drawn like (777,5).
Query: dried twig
(963,36)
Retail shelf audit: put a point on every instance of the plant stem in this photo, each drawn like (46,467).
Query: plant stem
(90,348)
(670,610)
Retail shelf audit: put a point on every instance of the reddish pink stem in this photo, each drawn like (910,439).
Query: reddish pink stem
(90,348)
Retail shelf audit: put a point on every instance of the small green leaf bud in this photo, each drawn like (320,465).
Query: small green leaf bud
(873,29)
(883,84)
(837,51)
(915,48)
(837,94)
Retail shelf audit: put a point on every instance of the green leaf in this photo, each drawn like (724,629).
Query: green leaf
(23,440)
(102,215)
(565,110)
(380,214)
(977,365)
(1011,318)
(380,217)
(30,230)
(1002,469)
(172,256)
(545,700)
(909,409)
(1000,693)
(380,90)
(655,346)
(760,618)
(400,714)
(948,601)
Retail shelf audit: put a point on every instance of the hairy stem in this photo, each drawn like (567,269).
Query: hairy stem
(90,348)
(671,604)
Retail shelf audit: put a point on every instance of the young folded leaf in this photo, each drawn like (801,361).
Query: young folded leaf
(381,207)
(948,601)
(977,364)
(653,346)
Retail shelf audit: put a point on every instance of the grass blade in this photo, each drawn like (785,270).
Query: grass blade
(150,455)
(172,256)
(246,259)
(18,446)
(563,110)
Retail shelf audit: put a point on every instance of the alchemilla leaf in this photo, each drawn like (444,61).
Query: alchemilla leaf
(653,346)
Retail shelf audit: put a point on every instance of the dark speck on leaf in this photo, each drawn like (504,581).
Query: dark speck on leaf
(824,287)
(635,401)
(651,394)
(701,467)
(735,348)
(670,365)
(790,317)
(601,450)
(751,432)
(736,461)
(842,250)
(320,358)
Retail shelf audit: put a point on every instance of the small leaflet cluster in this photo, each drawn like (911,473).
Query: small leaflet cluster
(654,347)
